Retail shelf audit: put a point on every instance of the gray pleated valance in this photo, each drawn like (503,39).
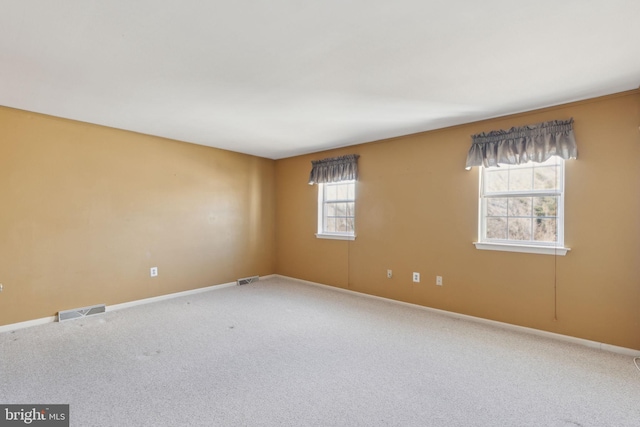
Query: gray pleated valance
(334,169)
(533,143)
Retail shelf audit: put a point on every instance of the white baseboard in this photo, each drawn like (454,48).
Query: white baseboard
(566,338)
(27,324)
(167,296)
(176,295)
(41,321)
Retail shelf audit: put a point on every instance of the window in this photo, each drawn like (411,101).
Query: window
(336,179)
(336,210)
(522,207)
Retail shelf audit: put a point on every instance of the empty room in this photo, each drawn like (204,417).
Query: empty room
(363,213)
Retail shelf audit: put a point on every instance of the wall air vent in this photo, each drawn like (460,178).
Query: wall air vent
(77,313)
(247,280)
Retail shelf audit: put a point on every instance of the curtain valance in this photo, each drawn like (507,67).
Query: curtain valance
(334,169)
(533,143)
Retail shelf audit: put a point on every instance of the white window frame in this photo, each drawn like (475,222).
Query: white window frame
(322,234)
(528,246)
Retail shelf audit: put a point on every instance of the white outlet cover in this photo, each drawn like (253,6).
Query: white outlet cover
(153,271)
(416,277)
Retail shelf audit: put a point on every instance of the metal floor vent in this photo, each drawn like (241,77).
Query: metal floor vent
(77,313)
(248,280)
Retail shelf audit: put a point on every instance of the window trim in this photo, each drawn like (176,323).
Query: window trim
(321,234)
(336,236)
(544,248)
(529,249)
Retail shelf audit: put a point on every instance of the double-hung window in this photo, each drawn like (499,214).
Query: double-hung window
(336,179)
(522,207)
(336,209)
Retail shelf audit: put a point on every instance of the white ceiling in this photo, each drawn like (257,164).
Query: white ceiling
(279,78)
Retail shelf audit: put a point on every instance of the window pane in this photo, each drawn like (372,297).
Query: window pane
(546,178)
(546,230)
(527,218)
(545,206)
(352,191)
(338,208)
(350,208)
(342,191)
(519,206)
(497,207)
(496,228)
(520,229)
(521,179)
(350,225)
(330,192)
(496,180)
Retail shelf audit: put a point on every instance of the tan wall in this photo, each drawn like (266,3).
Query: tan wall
(416,210)
(87,210)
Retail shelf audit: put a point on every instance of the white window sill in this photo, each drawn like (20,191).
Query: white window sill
(530,249)
(336,236)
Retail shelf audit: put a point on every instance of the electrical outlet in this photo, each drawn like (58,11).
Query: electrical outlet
(1,287)
(416,277)
(153,271)
(439,280)
(389,274)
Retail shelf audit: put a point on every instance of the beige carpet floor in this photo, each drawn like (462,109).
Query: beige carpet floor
(281,353)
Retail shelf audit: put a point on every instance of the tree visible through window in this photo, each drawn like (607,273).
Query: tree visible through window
(523,204)
(336,208)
